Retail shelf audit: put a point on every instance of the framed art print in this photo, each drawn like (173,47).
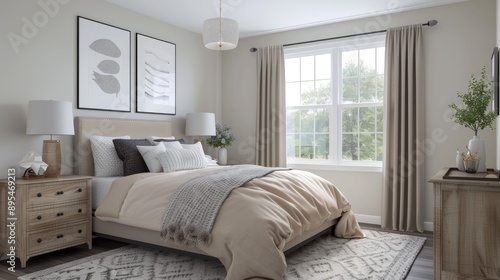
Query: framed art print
(494,81)
(155,76)
(103,66)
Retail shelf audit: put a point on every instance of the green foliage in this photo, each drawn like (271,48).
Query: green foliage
(223,137)
(474,114)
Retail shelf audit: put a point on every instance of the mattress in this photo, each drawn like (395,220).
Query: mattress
(100,188)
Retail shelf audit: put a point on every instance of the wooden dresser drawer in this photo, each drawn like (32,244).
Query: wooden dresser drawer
(57,238)
(59,192)
(39,218)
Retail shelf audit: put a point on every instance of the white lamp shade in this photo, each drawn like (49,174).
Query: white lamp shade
(200,124)
(50,117)
(216,39)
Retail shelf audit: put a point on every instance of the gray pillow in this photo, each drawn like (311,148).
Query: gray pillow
(132,159)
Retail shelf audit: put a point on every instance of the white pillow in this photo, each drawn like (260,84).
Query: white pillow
(106,160)
(172,145)
(196,145)
(150,156)
(151,139)
(181,159)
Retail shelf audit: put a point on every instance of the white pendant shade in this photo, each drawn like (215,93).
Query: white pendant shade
(216,39)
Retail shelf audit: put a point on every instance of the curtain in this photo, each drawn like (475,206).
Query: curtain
(403,177)
(271,111)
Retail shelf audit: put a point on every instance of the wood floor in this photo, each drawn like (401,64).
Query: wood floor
(422,268)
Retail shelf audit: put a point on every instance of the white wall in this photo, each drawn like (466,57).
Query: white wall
(457,47)
(45,67)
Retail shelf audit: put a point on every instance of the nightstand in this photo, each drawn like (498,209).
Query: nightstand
(38,216)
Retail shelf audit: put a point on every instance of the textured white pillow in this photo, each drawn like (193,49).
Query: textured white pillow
(196,145)
(172,145)
(106,160)
(181,159)
(151,139)
(150,156)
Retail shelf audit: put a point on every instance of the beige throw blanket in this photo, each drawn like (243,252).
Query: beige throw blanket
(254,223)
(190,213)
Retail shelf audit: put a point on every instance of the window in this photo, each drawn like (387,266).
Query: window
(334,101)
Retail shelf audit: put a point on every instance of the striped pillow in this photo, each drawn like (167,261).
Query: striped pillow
(181,159)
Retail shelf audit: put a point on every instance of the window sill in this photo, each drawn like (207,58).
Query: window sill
(338,167)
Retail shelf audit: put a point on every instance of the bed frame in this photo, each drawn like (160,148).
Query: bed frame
(85,127)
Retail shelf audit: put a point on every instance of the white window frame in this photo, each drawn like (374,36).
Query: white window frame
(335,48)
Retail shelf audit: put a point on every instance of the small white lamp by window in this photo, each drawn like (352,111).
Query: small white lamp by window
(50,117)
(200,124)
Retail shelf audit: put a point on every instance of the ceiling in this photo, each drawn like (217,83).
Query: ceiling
(257,17)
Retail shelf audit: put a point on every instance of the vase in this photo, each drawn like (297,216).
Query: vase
(470,166)
(222,160)
(460,161)
(476,145)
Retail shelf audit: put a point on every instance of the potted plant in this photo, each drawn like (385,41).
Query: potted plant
(474,113)
(223,138)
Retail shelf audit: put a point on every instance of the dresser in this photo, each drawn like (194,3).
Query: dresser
(38,216)
(466,227)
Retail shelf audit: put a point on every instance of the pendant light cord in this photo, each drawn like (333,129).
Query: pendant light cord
(220,24)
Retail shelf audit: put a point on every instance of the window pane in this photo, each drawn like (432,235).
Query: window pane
(323,66)
(307,121)
(307,146)
(292,121)
(380,60)
(322,120)
(292,69)
(324,92)
(380,119)
(307,68)
(350,63)
(380,147)
(367,146)
(380,89)
(368,89)
(307,93)
(350,120)
(367,60)
(322,146)
(350,147)
(292,94)
(292,145)
(367,119)
(350,90)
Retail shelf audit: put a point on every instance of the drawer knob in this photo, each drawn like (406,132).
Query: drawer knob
(60,214)
(39,217)
(39,240)
(39,195)
(60,193)
(80,190)
(79,231)
(60,236)
(80,210)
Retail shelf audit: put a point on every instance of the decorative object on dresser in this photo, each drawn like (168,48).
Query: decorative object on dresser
(200,124)
(222,139)
(466,226)
(103,66)
(49,214)
(50,117)
(155,76)
(220,33)
(474,115)
(33,165)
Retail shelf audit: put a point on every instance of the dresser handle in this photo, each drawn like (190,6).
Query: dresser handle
(39,217)
(39,240)
(39,195)
(80,210)
(79,231)
(80,190)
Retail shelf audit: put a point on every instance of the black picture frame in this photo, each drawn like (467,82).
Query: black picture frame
(495,80)
(155,76)
(103,66)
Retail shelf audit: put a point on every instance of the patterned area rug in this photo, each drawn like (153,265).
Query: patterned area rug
(377,256)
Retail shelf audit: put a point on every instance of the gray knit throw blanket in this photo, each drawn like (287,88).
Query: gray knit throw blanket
(190,213)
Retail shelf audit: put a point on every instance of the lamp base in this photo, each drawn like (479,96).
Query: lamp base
(51,155)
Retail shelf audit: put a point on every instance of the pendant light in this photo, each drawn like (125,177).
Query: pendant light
(220,33)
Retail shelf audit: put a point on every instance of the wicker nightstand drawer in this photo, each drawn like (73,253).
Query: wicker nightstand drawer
(57,192)
(42,217)
(41,242)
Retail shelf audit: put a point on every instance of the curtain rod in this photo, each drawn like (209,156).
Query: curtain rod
(429,23)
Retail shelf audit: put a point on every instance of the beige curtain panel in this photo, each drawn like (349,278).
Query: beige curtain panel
(271,111)
(404,119)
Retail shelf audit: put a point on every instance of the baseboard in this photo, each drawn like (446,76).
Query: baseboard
(377,220)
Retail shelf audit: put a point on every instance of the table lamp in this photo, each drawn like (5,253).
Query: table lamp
(50,117)
(200,124)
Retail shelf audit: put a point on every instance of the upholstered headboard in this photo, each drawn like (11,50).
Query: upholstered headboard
(85,127)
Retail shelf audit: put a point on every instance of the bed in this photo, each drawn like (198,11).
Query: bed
(242,258)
